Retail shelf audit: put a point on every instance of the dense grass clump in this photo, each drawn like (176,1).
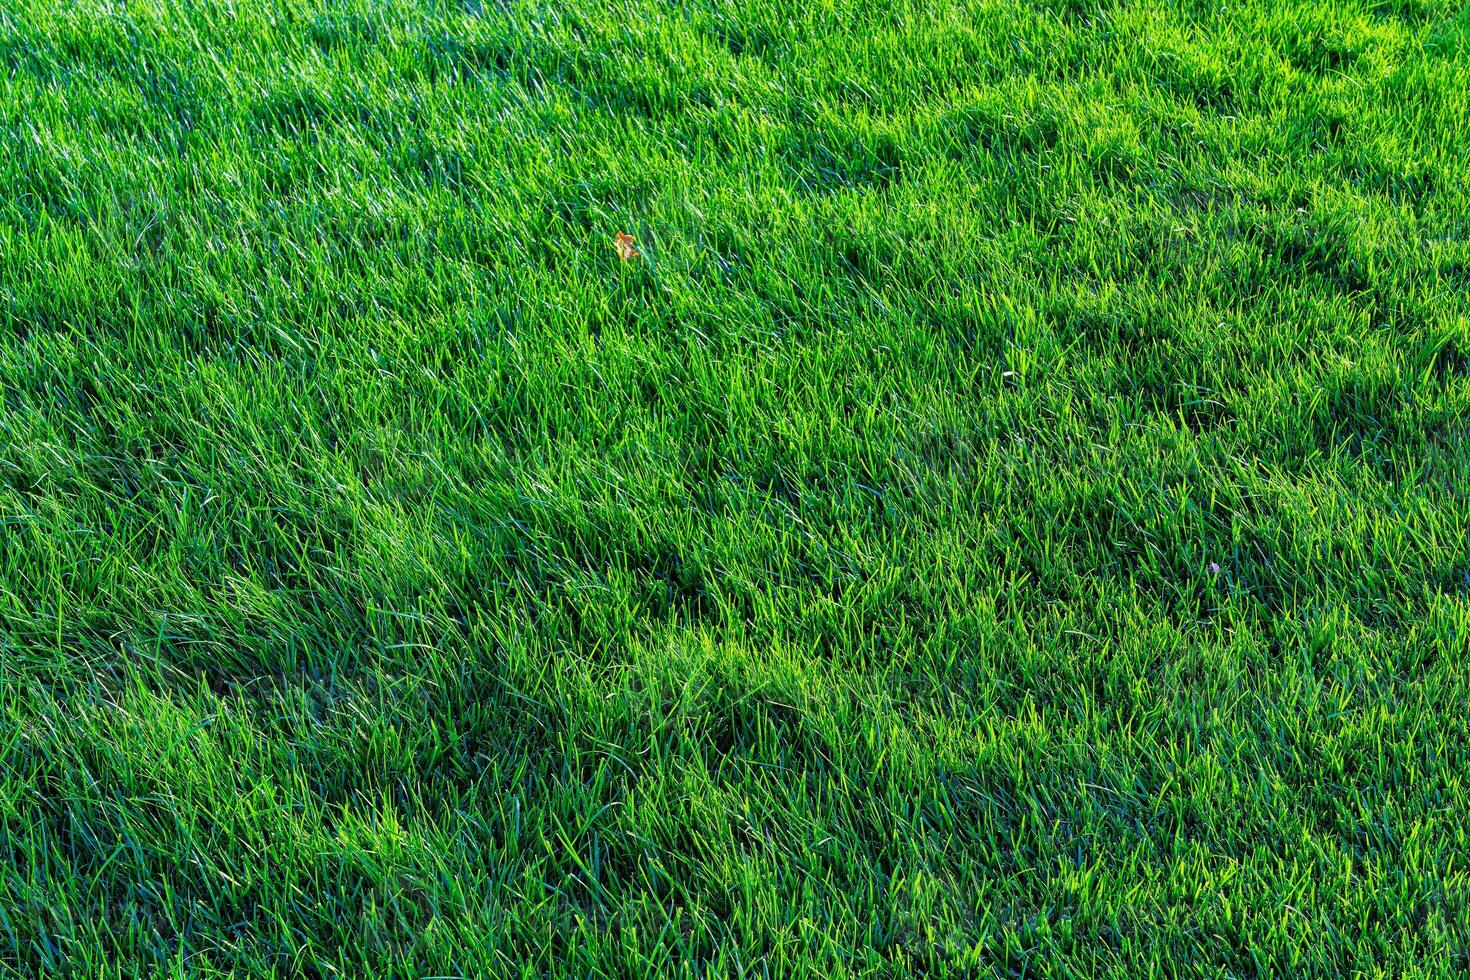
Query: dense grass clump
(1010,517)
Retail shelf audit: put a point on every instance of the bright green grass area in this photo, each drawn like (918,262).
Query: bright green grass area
(395,583)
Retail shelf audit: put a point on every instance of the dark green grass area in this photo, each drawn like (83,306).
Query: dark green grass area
(1012,519)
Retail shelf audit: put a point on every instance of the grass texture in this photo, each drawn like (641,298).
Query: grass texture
(1009,518)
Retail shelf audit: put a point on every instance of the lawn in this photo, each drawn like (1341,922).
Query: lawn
(1004,513)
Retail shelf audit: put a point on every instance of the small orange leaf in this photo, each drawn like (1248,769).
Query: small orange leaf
(623,242)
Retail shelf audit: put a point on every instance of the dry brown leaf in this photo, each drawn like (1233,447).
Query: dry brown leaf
(627,250)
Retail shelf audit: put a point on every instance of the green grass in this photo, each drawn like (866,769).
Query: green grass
(1011,520)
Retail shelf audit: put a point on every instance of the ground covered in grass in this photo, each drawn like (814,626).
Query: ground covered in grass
(1011,517)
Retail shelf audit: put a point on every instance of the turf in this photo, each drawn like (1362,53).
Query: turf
(1009,518)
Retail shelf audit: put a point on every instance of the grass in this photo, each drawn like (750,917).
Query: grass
(1010,519)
